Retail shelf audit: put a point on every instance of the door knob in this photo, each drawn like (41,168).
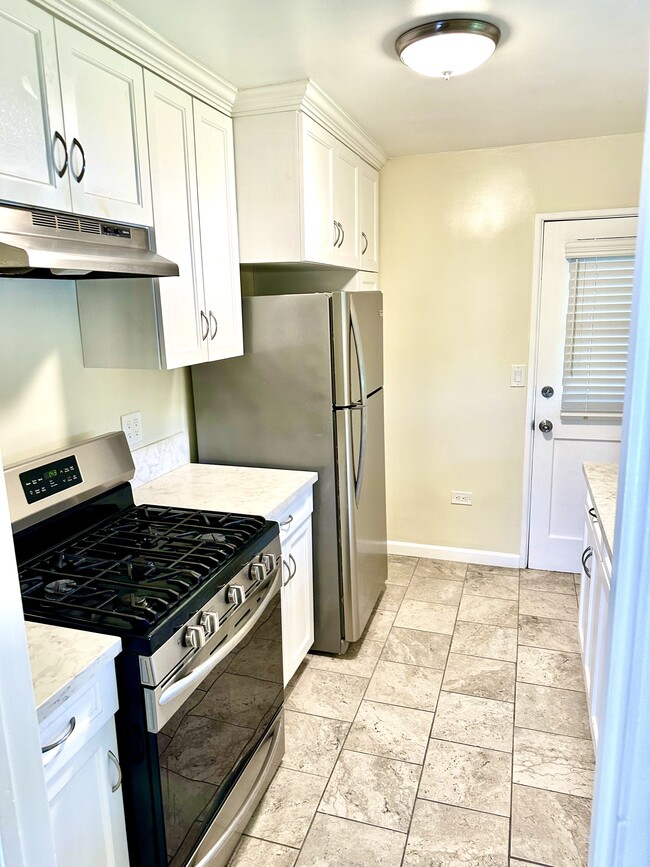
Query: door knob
(546,426)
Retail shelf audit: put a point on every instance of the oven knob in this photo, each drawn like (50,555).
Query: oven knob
(209,620)
(194,637)
(236,593)
(257,572)
(269,562)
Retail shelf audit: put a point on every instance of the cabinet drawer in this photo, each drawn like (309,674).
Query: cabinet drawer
(294,515)
(91,706)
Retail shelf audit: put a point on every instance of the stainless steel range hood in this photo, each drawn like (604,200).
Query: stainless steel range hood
(37,243)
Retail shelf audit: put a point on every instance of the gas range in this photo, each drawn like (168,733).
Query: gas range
(195,598)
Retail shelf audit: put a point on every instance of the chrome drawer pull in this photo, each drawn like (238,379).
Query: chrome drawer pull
(62,739)
(113,758)
(286,523)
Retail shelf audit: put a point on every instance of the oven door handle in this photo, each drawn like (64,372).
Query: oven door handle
(180,686)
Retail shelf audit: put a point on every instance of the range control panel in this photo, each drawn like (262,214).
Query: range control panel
(50,479)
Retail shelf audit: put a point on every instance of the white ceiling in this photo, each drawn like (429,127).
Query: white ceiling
(564,68)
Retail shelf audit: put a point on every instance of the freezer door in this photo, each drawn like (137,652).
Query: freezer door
(357,331)
(362,510)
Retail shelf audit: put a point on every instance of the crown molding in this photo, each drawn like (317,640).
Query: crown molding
(109,23)
(307,97)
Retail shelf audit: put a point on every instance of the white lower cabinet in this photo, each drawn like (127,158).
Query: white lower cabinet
(86,805)
(297,584)
(593,615)
(83,776)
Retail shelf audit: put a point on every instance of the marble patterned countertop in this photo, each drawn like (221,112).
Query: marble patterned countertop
(602,481)
(251,490)
(63,660)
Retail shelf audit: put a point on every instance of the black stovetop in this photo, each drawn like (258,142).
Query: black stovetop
(140,572)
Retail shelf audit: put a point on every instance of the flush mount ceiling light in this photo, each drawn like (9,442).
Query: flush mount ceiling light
(448,47)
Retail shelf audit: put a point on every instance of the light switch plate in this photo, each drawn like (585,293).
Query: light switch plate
(518,376)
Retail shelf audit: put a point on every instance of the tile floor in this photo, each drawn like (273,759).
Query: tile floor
(454,733)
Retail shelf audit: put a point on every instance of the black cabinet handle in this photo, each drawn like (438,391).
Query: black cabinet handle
(337,235)
(206,326)
(77,144)
(587,554)
(342,235)
(213,320)
(365,238)
(58,137)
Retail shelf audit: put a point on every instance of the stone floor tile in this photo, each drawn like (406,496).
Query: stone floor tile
(444,836)
(312,743)
(391,597)
(429,616)
(334,842)
(393,732)
(325,693)
(447,569)
(372,789)
(548,582)
(499,570)
(555,762)
(489,610)
(416,647)
(400,569)
(478,639)
(551,634)
(378,626)
(475,675)
(549,828)
(405,685)
(480,722)
(427,588)
(547,709)
(467,776)
(252,852)
(497,584)
(538,603)
(550,668)
(359,659)
(287,808)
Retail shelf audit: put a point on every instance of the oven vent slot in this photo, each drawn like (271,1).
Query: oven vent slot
(68,222)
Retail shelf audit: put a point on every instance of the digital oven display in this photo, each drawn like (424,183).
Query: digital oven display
(50,479)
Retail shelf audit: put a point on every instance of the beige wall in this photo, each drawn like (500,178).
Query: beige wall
(46,394)
(457,235)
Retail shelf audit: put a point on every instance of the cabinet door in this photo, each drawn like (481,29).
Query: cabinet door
(31,153)
(368,217)
(215,167)
(318,149)
(297,598)
(104,110)
(87,816)
(183,324)
(346,206)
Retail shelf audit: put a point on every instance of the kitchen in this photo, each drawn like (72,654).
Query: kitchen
(490,327)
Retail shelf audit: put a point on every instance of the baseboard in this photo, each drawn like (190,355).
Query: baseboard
(458,555)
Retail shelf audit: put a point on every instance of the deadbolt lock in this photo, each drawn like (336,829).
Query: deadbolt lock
(548,391)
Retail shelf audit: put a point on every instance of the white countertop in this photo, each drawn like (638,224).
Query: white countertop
(602,481)
(251,490)
(62,660)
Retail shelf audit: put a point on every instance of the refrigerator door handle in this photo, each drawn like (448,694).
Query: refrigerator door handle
(358,470)
(358,348)
(361,365)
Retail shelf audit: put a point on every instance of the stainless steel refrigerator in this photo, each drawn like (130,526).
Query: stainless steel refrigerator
(308,394)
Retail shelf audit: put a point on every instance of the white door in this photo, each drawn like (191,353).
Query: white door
(215,168)
(33,164)
(297,598)
(567,438)
(319,231)
(103,106)
(368,217)
(346,206)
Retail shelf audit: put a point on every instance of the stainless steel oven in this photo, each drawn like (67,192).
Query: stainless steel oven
(195,598)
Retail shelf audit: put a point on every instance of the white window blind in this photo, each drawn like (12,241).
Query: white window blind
(601,275)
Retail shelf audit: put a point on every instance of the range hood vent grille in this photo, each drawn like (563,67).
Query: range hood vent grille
(70,222)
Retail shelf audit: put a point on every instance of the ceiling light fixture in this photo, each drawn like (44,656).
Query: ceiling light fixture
(451,46)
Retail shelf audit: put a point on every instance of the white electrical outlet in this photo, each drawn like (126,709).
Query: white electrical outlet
(132,427)
(461,498)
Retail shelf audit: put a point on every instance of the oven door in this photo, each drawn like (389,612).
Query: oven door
(220,748)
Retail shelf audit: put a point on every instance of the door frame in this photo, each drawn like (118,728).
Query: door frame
(533,343)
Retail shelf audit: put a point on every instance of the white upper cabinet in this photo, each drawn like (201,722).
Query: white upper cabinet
(73,131)
(33,162)
(106,131)
(304,195)
(196,316)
